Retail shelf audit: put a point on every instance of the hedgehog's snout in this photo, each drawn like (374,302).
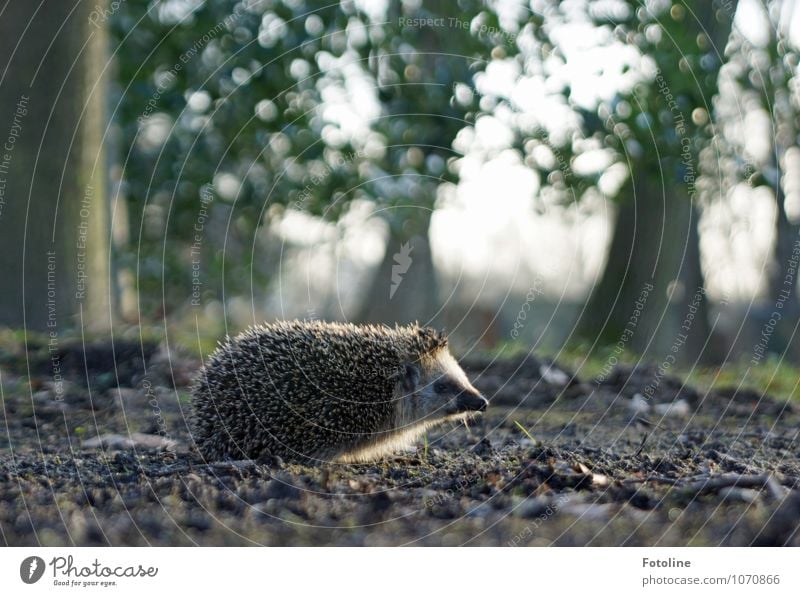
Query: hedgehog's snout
(469,401)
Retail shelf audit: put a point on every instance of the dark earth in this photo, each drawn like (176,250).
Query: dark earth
(556,460)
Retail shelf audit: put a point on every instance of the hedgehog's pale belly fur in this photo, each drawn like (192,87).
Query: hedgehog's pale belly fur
(306,390)
(402,440)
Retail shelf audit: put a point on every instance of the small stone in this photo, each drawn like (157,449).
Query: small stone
(639,404)
(678,409)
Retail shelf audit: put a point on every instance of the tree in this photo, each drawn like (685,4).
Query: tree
(229,101)
(54,219)
(423,65)
(665,123)
(765,76)
(218,106)
(656,129)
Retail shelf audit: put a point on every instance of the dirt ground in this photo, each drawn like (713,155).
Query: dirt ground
(632,459)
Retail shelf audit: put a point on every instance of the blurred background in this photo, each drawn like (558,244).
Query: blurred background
(614,177)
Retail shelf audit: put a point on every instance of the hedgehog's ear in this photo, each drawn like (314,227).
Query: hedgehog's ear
(432,339)
(410,376)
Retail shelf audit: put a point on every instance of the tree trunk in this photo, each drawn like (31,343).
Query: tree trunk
(54,215)
(651,298)
(783,278)
(403,289)
(656,245)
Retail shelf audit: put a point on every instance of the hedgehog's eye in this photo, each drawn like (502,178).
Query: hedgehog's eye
(440,387)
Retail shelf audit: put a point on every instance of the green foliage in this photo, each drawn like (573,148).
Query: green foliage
(657,127)
(417,68)
(766,73)
(666,120)
(225,109)
(221,106)
(224,100)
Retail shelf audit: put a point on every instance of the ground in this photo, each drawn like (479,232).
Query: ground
(632,457)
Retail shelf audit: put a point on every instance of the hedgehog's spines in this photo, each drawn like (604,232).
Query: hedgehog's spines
(307,389)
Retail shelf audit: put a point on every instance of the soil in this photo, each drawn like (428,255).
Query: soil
(635,458)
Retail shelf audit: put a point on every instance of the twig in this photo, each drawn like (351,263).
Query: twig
(715,483)
(661,479)
(774,488)
(645,436)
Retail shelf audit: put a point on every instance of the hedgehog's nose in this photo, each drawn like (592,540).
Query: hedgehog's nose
(471,402)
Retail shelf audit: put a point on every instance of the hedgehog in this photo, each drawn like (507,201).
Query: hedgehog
(312,391)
